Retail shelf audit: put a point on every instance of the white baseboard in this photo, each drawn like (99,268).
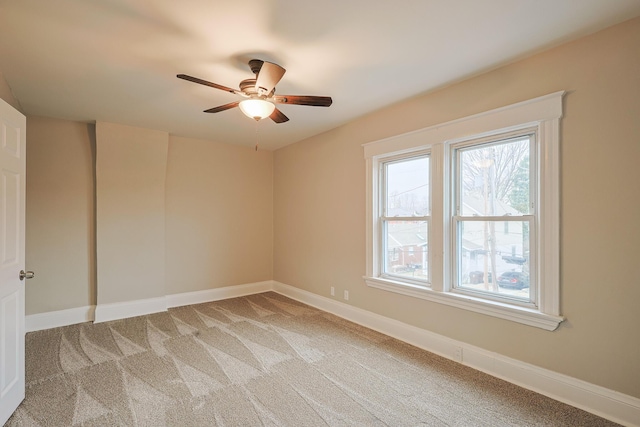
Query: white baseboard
(217,294)
(54,319)
(601,401)
(122,310)
(598,400)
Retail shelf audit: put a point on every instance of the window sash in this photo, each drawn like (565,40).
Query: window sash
(460,147)
(384,180)
(385,270)
(457,273)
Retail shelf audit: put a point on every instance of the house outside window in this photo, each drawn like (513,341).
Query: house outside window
(466,213)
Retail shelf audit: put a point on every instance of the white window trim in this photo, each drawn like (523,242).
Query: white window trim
(544,113)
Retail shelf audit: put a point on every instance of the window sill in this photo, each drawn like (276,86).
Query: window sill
(523,315)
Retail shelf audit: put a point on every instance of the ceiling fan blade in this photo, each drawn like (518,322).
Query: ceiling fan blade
(278,117)
(268,77)
(206,83)
(314,101)
(222,107)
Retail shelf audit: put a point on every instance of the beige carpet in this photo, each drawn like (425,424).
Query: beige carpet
(261,360)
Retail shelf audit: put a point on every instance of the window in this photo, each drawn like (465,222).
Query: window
(493,186)
(405,217)
(466,213)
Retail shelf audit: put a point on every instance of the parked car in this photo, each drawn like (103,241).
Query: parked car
(513,279)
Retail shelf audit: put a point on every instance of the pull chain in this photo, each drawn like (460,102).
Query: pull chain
(257,121)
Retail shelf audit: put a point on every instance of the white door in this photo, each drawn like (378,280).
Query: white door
(12,237)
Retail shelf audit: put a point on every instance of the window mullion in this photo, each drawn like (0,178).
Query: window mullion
(438,262)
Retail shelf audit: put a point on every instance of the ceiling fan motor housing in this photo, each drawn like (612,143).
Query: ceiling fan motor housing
(248,87)
(255,65)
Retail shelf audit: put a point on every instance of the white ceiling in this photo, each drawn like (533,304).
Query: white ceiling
(116,60)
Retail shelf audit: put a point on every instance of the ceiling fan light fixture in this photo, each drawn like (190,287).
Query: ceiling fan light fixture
(256,109)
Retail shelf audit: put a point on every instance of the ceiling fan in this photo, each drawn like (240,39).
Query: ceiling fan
(259,93)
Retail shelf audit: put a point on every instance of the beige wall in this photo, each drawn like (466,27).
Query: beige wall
(131,165)
(219,215)
(60,215)
(217,206)
(319,187)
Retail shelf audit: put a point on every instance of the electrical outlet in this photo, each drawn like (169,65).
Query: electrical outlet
(333,291)
(346,295)
(457,354)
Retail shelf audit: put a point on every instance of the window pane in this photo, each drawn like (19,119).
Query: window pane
(494,178)
(500,247)
(407,187)
(406,249)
